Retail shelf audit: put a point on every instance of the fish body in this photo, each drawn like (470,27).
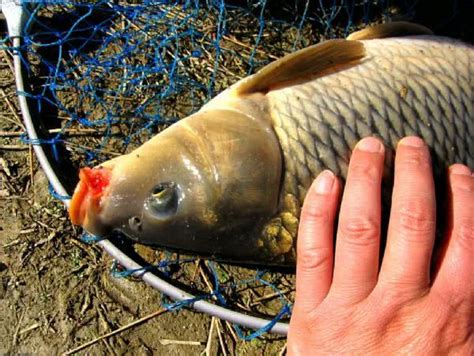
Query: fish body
(404,86)
(229,180)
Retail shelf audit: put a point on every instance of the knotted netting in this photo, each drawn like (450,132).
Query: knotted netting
(105,76)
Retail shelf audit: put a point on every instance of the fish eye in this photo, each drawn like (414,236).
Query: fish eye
(163,200)
(160,188)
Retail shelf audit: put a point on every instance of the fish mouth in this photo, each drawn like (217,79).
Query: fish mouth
(92,187)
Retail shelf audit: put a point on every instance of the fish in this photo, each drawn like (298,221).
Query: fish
(229,181)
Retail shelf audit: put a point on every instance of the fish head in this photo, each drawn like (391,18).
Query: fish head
(206,175)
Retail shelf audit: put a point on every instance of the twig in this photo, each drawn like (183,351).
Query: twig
(14,147)
(9,61)
(107,327)
(5,116)
(207,350)
(6,96)
(12,243)
(117,331)
(11,133)
(196,269)
(136,27)
(87,148)
(43,241)
(217,321)
(67,132)
(206,281)
(232,332)
(166,342)
(32,177)
(4,167)
(87,250)
(12,108)
(219,334)
(30,328)
(86,303)
(208,284)
(44,225)
(26,231)
(237,42)
(17,329)
(283,350)
(268,296)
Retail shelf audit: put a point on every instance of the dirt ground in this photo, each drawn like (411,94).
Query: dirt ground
(57,292)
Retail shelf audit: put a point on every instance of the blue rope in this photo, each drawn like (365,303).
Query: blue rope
(56,195)
(118,273)
(261,27)
(300,25)
(89,238)
(285,310)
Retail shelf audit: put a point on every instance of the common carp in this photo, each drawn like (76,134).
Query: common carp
(229,180)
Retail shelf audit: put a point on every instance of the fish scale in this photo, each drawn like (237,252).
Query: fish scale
(324,118)
(229,180)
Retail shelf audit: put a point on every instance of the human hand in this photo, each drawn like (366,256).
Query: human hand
(344,303)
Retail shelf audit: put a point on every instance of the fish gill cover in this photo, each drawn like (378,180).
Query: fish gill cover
(105,76)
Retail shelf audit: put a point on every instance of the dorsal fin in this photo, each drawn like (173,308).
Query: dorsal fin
(305,63)
(390,29)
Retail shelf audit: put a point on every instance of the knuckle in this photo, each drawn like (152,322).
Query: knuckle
(365,172)
(315,213)
(416,157)
(402,287)
(315,259)
(415,216)
(363,231)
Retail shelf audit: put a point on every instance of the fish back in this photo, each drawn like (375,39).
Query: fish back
(420,85)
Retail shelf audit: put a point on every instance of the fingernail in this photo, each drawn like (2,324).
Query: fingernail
(460,169)
(412,141)
(324,182)
(370,144)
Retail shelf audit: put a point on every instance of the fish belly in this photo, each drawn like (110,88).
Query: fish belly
(404,86)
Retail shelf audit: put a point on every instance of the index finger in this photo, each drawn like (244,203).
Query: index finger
(315,246)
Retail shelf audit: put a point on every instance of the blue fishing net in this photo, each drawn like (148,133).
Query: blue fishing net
(105,76)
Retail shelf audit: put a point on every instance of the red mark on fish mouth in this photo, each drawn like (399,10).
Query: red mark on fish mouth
(90,189)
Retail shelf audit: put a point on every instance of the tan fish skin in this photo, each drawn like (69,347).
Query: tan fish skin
(229,180)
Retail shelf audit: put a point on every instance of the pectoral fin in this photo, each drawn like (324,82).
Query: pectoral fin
(390,29)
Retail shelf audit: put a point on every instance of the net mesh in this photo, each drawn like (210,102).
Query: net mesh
(106,76)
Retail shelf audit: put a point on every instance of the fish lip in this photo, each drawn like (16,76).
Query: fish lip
(77,208)
(86,201)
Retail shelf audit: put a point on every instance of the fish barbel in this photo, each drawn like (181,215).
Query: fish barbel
(229,180)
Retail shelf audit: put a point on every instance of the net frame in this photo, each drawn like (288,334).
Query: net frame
(16,18)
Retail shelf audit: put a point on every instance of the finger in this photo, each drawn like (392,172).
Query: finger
(358,237)
(454,275)
(315,241)
(412,218)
